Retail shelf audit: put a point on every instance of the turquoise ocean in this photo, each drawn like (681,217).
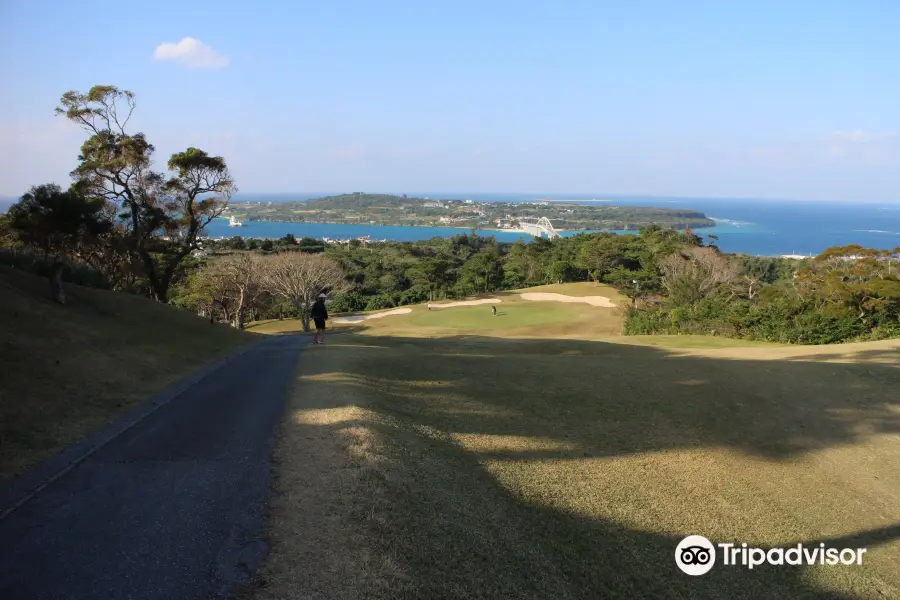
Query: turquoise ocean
(758,227)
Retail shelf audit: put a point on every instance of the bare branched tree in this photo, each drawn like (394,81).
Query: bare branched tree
(751,284)
(242,277)
(696,273)
(300,277)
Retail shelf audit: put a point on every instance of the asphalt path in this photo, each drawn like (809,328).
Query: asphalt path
(167,504)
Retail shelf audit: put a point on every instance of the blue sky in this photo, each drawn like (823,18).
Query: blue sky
(747,99)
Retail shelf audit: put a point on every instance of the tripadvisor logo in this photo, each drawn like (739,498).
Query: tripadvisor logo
(696,555)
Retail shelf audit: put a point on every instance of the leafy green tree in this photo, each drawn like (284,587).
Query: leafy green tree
(434,274)
(481,273)
(310,245)
(852,279)
(163,215)
(207,291)
(768,270)
(8,236)
(601,254)
(528,264)
(351,301)
(381,301)
(62,225)
(689,238)
(561,271)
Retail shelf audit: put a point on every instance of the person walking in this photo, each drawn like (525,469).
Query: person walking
(319,315)
(494,310)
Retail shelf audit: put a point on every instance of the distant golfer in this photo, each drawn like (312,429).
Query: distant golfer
(429,306)
(494,310)
(319,315)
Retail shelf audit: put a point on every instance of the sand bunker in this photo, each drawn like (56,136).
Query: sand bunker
(547,297)
(358,318)
(467,303)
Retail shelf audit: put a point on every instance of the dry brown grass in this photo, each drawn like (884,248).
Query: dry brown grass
(493,468)
(68,370)
(327,501)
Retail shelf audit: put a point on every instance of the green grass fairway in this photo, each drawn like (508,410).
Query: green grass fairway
(479,317)
(475,464)
(68,370)
(517,318)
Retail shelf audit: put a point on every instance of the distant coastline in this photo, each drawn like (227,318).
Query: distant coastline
(753,227)
(459,229)
(528,215)
(757,227)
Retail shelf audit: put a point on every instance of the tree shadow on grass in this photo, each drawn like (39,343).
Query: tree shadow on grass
(889,357)
(456,531)
(611,399)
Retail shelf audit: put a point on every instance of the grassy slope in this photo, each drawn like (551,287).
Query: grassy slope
(70,369)
(463,466)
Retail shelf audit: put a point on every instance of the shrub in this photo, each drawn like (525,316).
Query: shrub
(350,302)
(75,272)
(819,328)
(646,321)
(414,295)
(380,301)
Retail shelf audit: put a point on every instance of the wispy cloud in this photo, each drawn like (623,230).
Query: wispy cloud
(872,148)
(192,53)
(849,148)
(347,152)
(860,136)
(410,152)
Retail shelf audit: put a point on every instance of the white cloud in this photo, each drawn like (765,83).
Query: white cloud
(191,52)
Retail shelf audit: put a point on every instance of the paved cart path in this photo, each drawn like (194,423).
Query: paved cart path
(171,507)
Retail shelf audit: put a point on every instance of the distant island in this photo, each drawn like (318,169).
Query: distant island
(386,209)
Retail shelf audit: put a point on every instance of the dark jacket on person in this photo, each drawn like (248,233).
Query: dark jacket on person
(318,310)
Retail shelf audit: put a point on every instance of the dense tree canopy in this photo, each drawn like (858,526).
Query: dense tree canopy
(61,225)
